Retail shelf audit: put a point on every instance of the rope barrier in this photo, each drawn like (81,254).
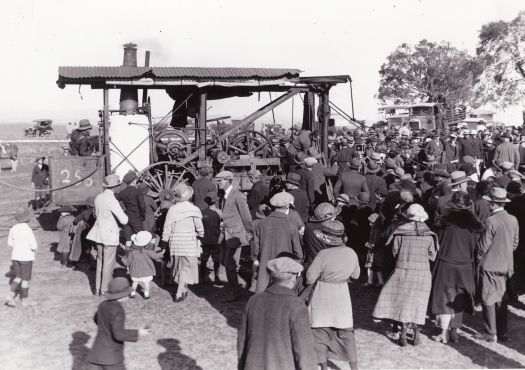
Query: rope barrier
(53,189)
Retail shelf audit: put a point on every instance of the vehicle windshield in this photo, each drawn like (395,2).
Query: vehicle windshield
(420,111)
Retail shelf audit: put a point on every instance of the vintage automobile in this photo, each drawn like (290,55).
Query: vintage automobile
(41,127)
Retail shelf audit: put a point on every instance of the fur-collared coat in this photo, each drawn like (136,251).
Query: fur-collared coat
(404,297)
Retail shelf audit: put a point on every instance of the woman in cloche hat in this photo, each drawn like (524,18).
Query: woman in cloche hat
(404,297)
(182,229)
(330,304)
(453,278)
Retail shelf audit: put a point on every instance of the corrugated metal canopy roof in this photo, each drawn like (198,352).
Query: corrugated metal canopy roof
(74,75)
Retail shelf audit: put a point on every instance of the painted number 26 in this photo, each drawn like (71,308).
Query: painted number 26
(66,177)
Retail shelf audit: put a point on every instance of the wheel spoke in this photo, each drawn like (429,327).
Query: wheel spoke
(238,149)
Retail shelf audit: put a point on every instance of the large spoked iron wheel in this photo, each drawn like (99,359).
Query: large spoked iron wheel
(163,177)
(252,143)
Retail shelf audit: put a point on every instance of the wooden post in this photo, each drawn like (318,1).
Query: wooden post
(323,129)
(200,126)
(105,123)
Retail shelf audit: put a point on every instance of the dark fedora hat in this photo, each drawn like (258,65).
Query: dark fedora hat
(293,178)
(355,163)
(372,167)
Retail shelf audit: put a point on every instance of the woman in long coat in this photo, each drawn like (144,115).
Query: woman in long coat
(330,305)
(453,278)
(404,297)
(182,228)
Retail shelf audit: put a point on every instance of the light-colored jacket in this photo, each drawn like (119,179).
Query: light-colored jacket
(105,230)
(182,227)
(500,238)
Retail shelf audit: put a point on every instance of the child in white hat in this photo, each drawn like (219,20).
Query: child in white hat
(140,262)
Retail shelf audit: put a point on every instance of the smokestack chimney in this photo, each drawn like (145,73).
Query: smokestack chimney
(129,95)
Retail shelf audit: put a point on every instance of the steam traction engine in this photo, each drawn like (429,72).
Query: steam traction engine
(172,150)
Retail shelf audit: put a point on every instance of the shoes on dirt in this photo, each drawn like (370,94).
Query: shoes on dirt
(486,337)
(10,303)
(28,302)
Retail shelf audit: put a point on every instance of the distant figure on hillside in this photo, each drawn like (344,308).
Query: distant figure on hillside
(82,143)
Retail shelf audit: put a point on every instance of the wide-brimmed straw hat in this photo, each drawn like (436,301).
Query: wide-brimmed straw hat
(324,211)
(118,288)
(182,193)
(84,125)
(22,215)
(111,181)
(416,213)
(293,178)
(497,195)
(331,233)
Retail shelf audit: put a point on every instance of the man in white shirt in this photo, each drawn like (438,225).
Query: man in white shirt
(105,232)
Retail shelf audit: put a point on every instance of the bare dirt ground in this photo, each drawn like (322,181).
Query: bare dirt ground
(199,333)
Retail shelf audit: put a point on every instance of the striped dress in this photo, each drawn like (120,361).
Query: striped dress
(182,227)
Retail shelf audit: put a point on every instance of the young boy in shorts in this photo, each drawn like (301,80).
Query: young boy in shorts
(23,242)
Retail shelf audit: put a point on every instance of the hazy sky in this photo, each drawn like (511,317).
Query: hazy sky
(318,37)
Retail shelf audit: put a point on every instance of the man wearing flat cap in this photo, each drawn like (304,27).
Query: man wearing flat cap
(274,235)
(495,264)
(275,329)
(237,223)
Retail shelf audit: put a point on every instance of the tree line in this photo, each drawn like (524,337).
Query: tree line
(439,72)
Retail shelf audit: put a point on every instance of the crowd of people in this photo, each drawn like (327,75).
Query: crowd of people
(433,220)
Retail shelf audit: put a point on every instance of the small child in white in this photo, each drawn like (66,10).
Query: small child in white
(140,262)
(23,242)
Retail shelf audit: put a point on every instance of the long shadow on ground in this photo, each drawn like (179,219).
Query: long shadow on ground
(172,358)
(364,300)
(79,350)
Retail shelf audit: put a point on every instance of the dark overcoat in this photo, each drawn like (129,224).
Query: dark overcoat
(453,275)
(275,333)
(108,348)
(257,196)
(301,203)
(201,187)
(274,235)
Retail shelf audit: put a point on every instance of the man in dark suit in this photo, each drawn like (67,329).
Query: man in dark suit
(258,192)
(237,223)
(301,202)
(108,348)
(40,181)
(376,184)
(202,186)
(351,182)
(135,207)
